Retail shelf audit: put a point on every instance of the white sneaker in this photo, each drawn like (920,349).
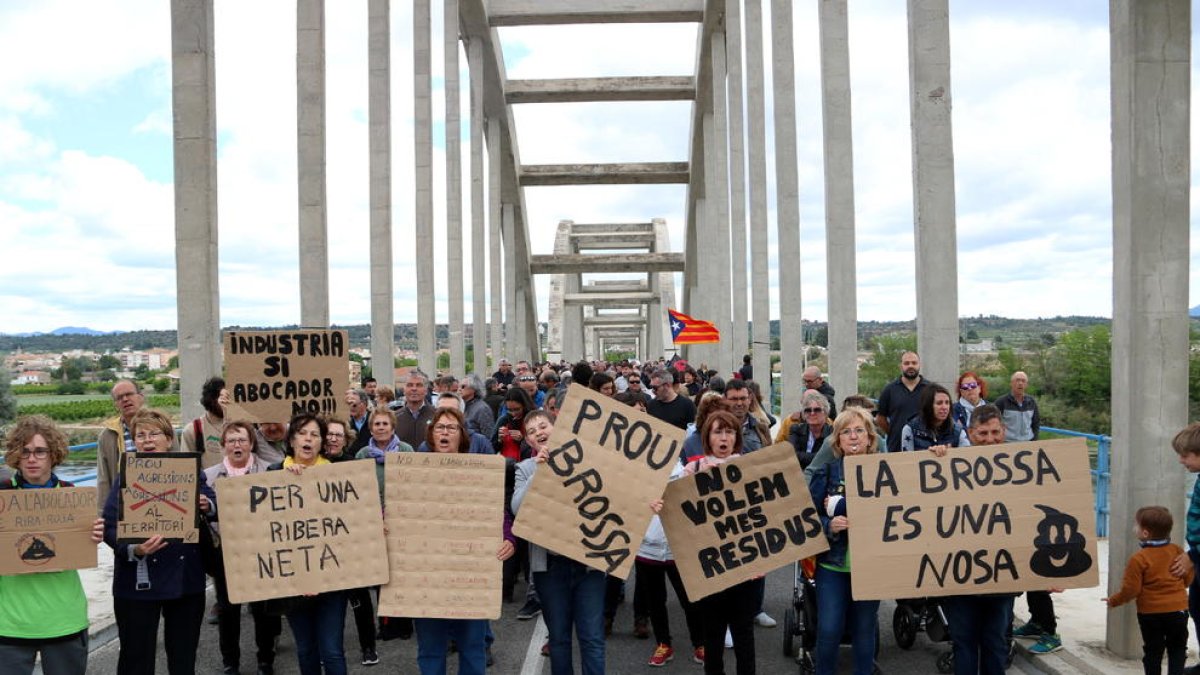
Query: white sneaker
(728,639)
(763,619)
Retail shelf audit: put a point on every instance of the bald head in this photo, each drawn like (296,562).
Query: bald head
(812,377)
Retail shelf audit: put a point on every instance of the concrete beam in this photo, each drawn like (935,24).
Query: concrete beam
(478,227)
(760,297)
(615,321)
(601,89)
(626,173)
(614,286)
(310,154)
(193,97)
(787,190)
(637,262)
(540,12)
(423,184)
(611,228)
(454,191)
(601,299)
(603,241)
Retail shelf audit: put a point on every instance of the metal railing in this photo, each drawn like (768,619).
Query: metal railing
(1100,474)
(79,448)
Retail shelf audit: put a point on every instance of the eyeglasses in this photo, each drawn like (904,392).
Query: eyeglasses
(446,428)
(147,435)
(335,434)
(968,386)
(40,453)
(856,431)
(527,378)
(237,441)
(810,411)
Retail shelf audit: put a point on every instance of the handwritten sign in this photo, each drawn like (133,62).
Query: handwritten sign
(986,519)
(284,535)
(740,520)
(274,375)
(445,520)
(590,501)
(47,530)
(159,496)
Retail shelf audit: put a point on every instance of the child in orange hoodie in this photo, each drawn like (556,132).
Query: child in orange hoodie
(1162,601)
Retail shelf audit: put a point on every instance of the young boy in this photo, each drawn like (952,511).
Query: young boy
(1187,445)
(1162,599)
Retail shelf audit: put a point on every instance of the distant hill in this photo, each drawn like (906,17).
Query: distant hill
(73,330)
(1194,312)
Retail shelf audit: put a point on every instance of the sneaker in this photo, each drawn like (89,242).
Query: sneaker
(1028,630)
(546,648)
(1046,645)
(698,655)
(370,658)
(641,628)
(763,619)
(728,639)
(530,610)
(662,655)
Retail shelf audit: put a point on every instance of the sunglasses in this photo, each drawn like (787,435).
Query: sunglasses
(968,386)
(527,378)
(809,411)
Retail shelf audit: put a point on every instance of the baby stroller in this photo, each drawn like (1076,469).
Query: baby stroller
(800,620)
(915,615)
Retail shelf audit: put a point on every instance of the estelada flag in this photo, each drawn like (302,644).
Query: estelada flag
(688,331)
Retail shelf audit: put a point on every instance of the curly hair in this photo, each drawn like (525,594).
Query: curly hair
(23,431)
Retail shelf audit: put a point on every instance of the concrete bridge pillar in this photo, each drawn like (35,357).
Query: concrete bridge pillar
(454,229)
(738,336)
(1151,134)
(310,141)
(198,297)
(933,188)
(760,296)
(839,197)
(478,231)
(495,338)
(379,144)
(423,197)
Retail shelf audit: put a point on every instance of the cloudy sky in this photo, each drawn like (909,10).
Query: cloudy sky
(86,205)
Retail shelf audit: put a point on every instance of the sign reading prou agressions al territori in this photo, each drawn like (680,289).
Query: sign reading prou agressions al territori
(273,375)
(984,519)
(590,500)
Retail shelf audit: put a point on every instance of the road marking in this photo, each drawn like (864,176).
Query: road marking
(533,655)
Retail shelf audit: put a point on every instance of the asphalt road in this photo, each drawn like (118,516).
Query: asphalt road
(518,643)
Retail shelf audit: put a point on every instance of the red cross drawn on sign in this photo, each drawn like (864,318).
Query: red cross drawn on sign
(157,497)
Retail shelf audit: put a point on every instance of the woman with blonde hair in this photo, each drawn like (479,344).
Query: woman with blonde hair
(853,434)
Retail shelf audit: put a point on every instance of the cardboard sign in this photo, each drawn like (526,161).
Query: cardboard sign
(740,520)
(273,375)
(445,522)
(985,519)
(590,501)
(47,530)
(284,534)
(159,496)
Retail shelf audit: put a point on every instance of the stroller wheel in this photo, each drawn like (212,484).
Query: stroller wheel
(789,632)
(945,662)
(904,626)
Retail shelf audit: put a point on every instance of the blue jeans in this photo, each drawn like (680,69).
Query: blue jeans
(433,636)
(572,594)
(978,629)
(318,627)
(837,611)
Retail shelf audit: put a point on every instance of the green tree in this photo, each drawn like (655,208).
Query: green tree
(173,363)
(972,334)
(162,385)
(1086,372)
(8,402)
(884,365)
(108,362)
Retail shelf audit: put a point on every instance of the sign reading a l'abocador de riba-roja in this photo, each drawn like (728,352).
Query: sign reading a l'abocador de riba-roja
(47,530)
(590,500)
(986,519)
(273,375)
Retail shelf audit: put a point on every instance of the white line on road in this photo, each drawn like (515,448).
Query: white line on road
(533,655)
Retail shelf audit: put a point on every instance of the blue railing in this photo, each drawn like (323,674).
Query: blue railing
(78,448)
(1100,474)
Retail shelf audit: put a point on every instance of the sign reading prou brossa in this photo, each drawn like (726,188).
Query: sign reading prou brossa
(590,501)
(275,374)
(986,519)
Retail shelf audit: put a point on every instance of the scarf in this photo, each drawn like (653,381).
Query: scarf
(20,482)
(231,470)
(291,461)
(392,446)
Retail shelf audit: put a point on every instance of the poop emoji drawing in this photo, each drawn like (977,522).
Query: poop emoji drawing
(1059,547)
(36,549)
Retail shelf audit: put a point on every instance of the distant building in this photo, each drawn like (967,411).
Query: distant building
(32,377)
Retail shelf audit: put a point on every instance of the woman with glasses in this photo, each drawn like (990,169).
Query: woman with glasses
(853,434)
(156,578)
(237,443)
(807,436)
(932,428)
(972,393)
(42,612)
(447,433)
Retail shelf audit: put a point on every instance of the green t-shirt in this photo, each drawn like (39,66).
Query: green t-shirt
(42,605)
